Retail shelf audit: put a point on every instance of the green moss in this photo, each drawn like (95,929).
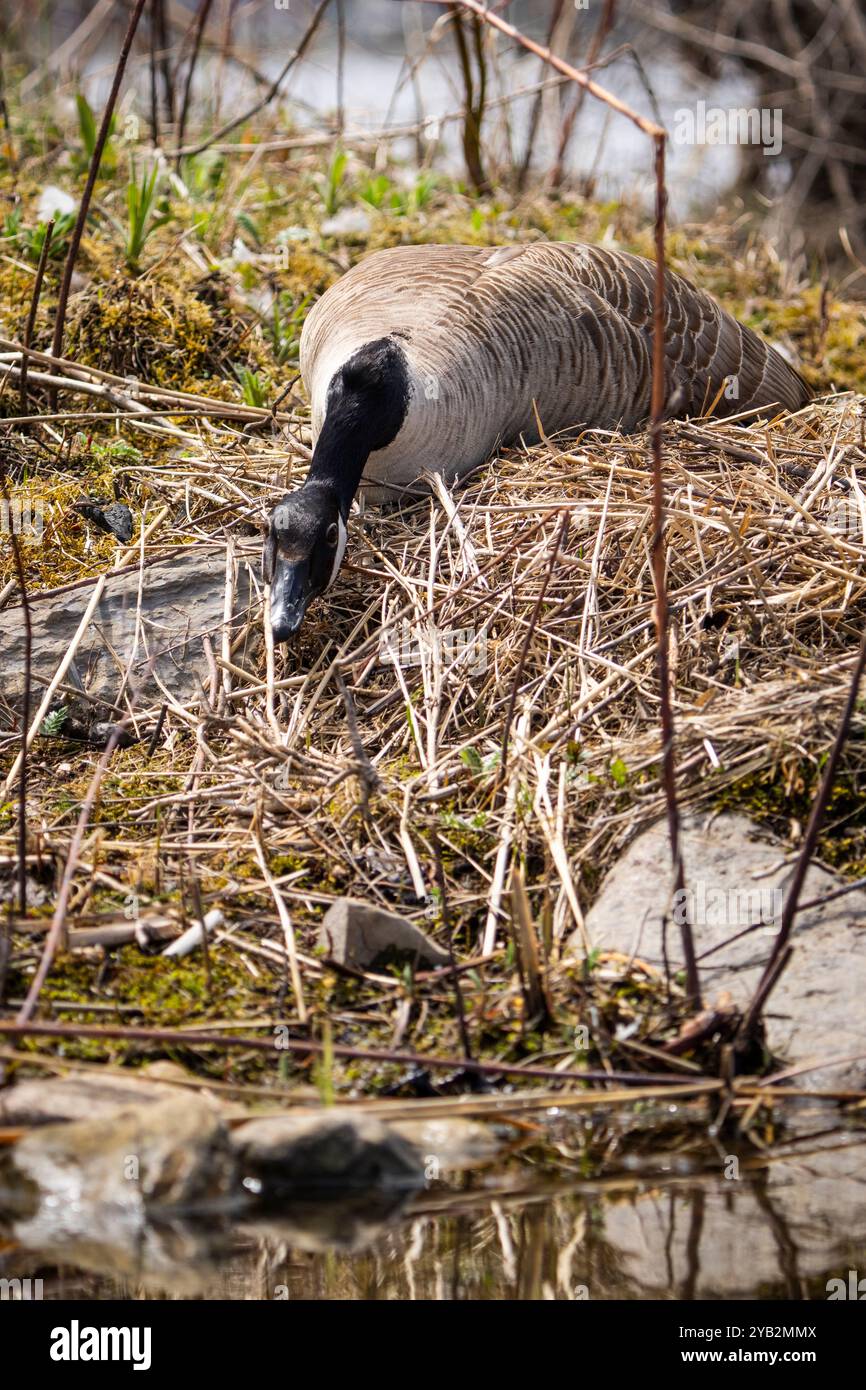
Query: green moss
(161,330)
(781,799)
(159,991)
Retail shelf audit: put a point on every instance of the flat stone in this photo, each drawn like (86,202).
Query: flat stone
(365,937)
(182,601)
(335,1149)
(735,875)
(57,1100)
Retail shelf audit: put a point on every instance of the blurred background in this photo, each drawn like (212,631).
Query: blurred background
(475,104)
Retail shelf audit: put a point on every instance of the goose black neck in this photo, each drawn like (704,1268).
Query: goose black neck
(338,458)
(367,402)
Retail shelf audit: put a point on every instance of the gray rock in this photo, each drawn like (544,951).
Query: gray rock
(453,1144)
(182,600)
(173,1155)
(334,1149)
(365,937)
(735,875)
(58,1099)
(102,1192)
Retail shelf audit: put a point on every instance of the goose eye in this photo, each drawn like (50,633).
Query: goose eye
(332,533)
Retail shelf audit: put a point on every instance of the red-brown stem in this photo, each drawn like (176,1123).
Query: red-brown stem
(490,17)
(193,1038)
(659,579)
(658,404)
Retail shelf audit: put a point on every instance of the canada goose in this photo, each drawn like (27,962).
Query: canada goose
(428,358)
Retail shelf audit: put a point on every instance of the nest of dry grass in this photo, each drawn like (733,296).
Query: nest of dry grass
(468,727)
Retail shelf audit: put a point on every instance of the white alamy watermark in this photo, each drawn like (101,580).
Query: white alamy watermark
(847,517)
(851,1288)
(731,388)
(20,1289)
(77,1343)
(704,905)
(23,517)
(403,646)
(733,125)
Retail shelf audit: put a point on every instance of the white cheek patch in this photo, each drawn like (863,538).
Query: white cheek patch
(340,551)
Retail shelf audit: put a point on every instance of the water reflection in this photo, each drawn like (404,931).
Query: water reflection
(776,1231)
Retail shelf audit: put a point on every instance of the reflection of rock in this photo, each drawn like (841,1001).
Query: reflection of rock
(799,1220)
(326,1149)
(733,878)
(363,936)
(181,1256)
(779,1232)
(345,1223)
(182,600)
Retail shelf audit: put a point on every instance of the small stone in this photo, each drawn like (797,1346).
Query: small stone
(365,937)
(98,732)
(454,1144)
(113,517)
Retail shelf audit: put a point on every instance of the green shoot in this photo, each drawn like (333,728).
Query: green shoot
(287,320)
(53,722)
(376,190)
(330,183)
(254,389)
(88,131)
(140,201)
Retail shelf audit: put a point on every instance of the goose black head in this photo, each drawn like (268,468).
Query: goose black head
(366,406)
(303,551)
